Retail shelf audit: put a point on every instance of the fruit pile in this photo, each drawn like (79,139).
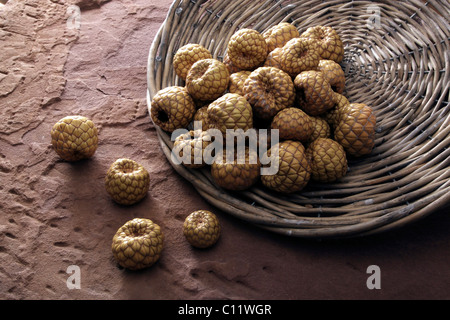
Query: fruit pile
(277,80)
(280,81)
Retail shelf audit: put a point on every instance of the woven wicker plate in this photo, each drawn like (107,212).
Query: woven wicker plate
(396,60)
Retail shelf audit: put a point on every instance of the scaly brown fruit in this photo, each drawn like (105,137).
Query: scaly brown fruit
(328,160)
(230,66)
(294,169)
(237,81)
(293,124)
(247,49)
(186,56)
(269,90)
(138,244)
(330,44)
(273,58)
(320,129)
(278,35)
(201,115)
(127,182)
(356,129)
(334,74)
(202,229)
(314,93)
(299,55)
(194,143)
(333,115)
(172,108)
(74,138)
(207,79)
(240,172)
(231,111)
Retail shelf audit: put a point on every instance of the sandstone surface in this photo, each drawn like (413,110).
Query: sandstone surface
(59,58)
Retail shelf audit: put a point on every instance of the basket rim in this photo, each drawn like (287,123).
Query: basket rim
(375,213)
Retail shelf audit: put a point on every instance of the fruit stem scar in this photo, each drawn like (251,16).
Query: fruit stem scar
(162,116)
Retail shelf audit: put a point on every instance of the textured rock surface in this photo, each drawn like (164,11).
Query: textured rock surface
(56,214)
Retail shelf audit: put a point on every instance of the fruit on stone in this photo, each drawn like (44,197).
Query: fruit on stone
(193,143)
(293,124)
(314,93)
(207,79)
(127,182)
(236,170)
(356,129)
(330,44)
(278,35)
(172,108)
(202,228)
(269,90)
(294,169)
(138,244)
(230,111)
(74,138)
(334,74)
(247,49)
(299,55)
(186,56)
(237,81)
(328,160)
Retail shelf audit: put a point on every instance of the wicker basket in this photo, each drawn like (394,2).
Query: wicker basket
(396,60)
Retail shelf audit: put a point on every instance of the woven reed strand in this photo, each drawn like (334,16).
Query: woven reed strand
(400,67)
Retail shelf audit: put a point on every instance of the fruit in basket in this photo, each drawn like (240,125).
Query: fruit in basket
(201,115)
(138,244)
(320,129)
(328,160)
(189,148)
(294,169)
(279,80)
(293,124)
(330,43)
(278,35)
(230,66)
(273,59)
(207,79)
(237,81)
(333,115)
(127,182)
(236,170)
(299,55)
(74,138)
(202,229)
(334,74)
(314,93)
(356,129)
(186,56)
(230,111)
(247,49)
(269,90)
(172,108)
